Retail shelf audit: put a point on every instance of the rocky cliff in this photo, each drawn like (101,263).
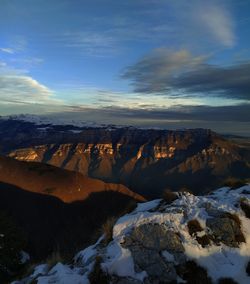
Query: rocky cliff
(145,160)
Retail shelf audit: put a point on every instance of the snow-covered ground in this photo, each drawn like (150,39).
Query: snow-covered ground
(219,260)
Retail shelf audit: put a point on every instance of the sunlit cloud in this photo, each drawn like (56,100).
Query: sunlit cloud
(21,89)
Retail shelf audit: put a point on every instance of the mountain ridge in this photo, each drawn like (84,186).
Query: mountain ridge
(145,160)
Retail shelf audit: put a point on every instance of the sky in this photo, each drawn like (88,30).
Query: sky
(157,63)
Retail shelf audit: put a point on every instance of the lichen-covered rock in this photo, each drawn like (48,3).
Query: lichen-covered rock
(156,237)
(225,230)
(151,261)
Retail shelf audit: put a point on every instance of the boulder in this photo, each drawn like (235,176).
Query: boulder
(225,230)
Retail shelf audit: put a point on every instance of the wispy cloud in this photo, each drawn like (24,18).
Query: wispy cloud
(7,50)
(24,90)
(217,21)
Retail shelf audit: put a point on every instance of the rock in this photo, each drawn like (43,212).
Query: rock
(146,242)
(225,230)
(156,237)
(152,262)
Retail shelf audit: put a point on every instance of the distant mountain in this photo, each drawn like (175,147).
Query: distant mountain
(145,160)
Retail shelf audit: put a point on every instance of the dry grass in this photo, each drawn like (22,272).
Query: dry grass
(203,241)
(97,275)
(194,227)
(240,238)
(130,207)
(54,258)
(107,229)
(234,183)
(169,196)
(233,217)
(246,208)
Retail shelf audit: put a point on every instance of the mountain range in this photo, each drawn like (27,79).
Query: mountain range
(147,161)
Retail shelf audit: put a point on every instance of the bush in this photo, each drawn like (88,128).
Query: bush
(12,242)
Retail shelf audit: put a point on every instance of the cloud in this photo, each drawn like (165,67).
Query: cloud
(21,89)
(226,119)
(180,73)
(2,64)
(7,50)
(217,21)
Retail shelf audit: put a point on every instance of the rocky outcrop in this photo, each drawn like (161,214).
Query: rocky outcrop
(157,243)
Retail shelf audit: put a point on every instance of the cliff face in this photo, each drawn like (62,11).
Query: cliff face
(146,160)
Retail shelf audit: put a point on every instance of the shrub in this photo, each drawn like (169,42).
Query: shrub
(169,196)
(12,242)
(97,275)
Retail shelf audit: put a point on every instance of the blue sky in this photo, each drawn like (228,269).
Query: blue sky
(147,62)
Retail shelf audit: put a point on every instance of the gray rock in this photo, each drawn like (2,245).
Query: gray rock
(156,237)
(151,261)
(225,230)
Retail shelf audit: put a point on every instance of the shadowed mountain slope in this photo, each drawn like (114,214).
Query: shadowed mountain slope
(51,224)
(66,185)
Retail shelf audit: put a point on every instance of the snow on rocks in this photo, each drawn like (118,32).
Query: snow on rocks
(195,239)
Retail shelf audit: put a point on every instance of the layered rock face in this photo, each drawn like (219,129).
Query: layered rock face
(194,239)
(146,160)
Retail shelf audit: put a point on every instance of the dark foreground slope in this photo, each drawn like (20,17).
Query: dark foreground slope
(145,160)
(56,207)
(50,225)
